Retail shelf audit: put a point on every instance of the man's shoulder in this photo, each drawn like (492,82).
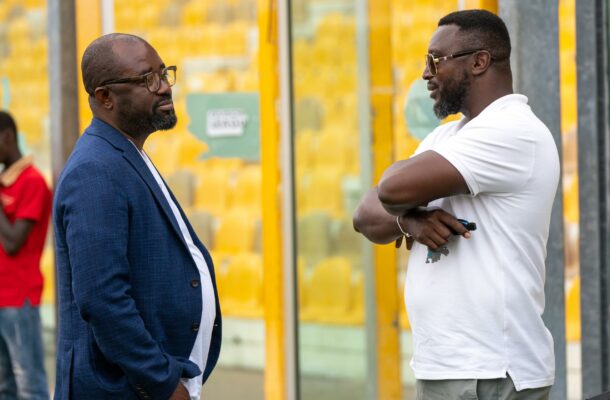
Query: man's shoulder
(93,150)
(439,134)
(92,159)
(32,176)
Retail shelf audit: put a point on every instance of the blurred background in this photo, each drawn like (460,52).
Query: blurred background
(275,144)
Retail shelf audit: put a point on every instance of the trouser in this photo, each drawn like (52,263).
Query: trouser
(476,389)
(22,374)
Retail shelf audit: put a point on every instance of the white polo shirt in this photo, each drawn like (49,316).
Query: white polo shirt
(201,348)
(476,311)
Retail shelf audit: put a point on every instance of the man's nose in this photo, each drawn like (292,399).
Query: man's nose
(164,87)
(426,74)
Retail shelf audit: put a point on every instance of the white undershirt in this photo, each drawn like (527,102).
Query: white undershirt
(201,348)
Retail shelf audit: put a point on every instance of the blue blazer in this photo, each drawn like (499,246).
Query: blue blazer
(129,293)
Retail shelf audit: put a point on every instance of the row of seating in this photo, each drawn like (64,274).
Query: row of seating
(23,69)
(211,39)
(147,15)
(331,292)
(336,147)
(211,186)
(216,190)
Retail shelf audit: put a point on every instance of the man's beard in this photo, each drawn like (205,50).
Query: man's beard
(163,122)
(137,123)
(452,97)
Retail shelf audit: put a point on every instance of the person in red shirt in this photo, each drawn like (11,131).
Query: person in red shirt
(25,206)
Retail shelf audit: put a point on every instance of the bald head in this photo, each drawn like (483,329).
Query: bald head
(100,61)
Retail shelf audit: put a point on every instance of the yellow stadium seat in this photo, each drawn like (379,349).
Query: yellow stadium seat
(203,225)
(232,164)
(212,189)
(329,291)
(323,191)
(346,242)
(221,268)
(243,286)
(235,39)
(194,13)
(182,185)
(236,232)
(305,148)
(248,189)
(333,150)
(309,114)
(313,236)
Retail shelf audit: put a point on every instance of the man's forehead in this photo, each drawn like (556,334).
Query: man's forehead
(444,37)
(136,56)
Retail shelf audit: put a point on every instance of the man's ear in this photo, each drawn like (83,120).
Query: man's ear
(102,97)
(482,61)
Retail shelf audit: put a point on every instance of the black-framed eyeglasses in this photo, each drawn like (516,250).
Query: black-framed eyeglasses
(432,61)
(152,79)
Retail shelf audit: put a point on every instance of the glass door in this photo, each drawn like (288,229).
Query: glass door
(330,265)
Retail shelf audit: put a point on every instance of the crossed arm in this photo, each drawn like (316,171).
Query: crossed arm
(404,188)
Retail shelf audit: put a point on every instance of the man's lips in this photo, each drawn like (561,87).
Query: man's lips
(166,105)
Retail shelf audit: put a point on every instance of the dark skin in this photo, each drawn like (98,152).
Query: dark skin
(12,235)
(137,58)
(412,183)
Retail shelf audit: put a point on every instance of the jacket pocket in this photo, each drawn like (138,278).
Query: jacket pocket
(110,377)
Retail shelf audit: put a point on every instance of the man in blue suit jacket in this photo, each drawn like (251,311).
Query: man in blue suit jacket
(138,306)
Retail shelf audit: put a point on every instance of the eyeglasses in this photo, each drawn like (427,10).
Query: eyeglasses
(432,61)
(152,79)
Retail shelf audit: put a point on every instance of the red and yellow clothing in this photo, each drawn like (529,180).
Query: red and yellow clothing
(24,194)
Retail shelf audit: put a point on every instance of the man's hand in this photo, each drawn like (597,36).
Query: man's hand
(433,228)
(180,393)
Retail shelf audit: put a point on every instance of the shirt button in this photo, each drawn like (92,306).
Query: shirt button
(195,283)
(195,327)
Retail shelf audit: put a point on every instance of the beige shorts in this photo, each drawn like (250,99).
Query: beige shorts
(476,389)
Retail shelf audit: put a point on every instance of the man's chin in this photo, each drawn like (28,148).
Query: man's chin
(165,122)
(439,111)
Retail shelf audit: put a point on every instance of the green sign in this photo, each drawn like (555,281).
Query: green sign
(419,111)
(228,122)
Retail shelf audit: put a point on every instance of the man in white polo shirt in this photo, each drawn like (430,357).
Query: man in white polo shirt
(475,299)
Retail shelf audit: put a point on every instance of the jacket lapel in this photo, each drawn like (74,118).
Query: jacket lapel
(134,158)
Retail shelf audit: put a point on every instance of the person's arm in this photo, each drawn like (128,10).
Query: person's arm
(94,212)
(373,221)
(180,393)
(417,181)
(13,236)
(430,227)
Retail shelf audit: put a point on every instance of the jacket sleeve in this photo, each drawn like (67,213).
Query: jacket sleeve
(95,216)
